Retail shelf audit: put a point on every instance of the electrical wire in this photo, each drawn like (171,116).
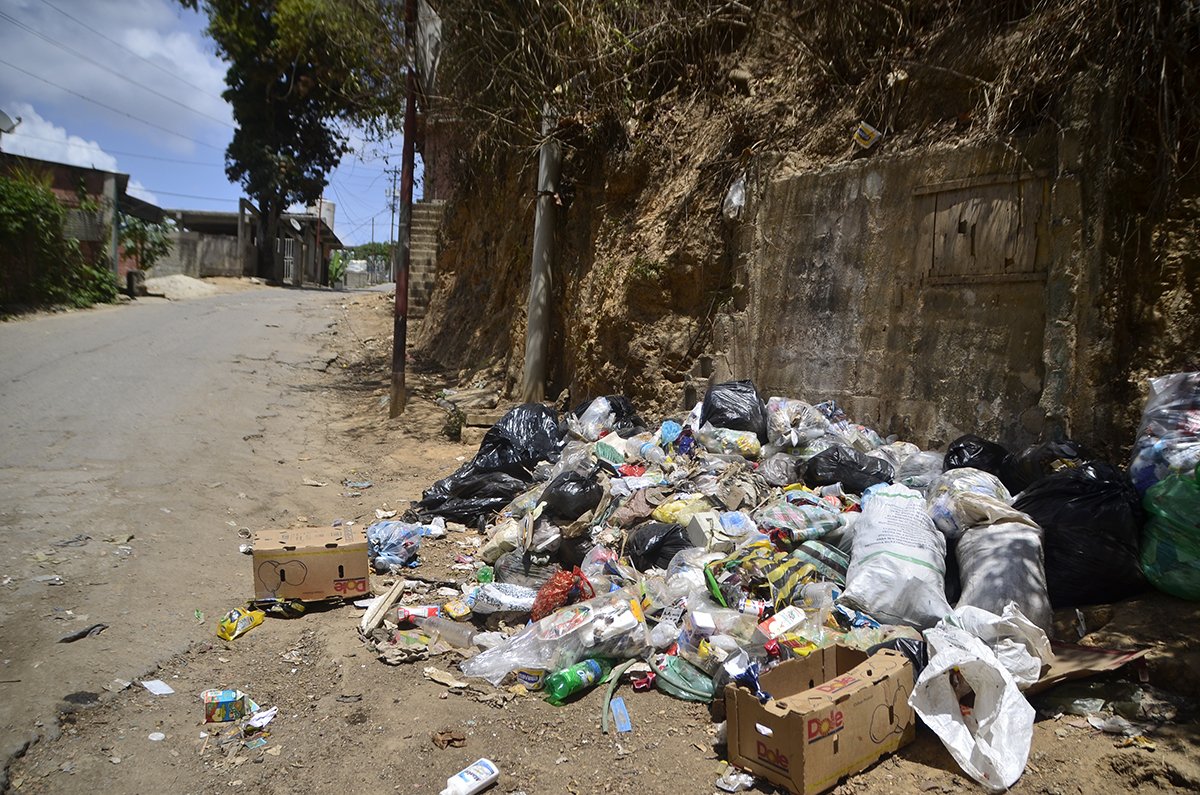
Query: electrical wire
(108,107)
(111,71)
(17,136)
(131,52)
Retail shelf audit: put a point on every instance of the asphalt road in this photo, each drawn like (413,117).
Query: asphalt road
(135,442)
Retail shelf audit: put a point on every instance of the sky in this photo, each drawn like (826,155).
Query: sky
(135,86)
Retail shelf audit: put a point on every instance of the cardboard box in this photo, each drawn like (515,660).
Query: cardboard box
(831,714)
(310,563)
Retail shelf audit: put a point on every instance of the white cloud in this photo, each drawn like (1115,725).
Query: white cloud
(135,188)
(44,140)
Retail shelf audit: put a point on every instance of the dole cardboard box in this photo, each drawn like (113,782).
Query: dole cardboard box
(310,563)
(830,714)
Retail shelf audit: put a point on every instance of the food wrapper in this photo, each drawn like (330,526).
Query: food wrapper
(238,622)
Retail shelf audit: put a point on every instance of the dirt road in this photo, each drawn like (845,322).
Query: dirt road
(241,400)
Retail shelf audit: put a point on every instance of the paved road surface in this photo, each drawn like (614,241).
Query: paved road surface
(135,442)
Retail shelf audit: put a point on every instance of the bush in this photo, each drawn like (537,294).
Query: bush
(39,265)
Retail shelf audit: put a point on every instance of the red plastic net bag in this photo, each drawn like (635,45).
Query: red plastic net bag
(563,588)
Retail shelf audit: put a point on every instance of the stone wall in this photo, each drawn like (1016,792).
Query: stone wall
(197,255)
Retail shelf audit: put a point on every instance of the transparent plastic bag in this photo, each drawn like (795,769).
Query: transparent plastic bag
(793,423)
(611,625)
(920,469)
(1168,437)
(594,421)
(954,504)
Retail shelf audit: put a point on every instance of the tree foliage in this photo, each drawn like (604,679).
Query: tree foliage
(146,242)
(39,264)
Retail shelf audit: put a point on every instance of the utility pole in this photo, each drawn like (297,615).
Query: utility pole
(400,323)
(392,224)
(320,252)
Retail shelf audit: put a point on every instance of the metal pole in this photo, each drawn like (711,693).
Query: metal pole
(537,324)
(400,322)
(320,252)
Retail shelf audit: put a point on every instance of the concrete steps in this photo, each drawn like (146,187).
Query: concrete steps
(422,266)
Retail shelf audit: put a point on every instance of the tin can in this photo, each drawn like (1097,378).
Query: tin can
(532,678)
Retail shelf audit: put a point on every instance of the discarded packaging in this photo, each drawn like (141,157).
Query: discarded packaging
(226,705)
(806,738)
(310,563)
(238,622)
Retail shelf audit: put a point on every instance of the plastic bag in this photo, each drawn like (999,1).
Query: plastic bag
(393,545)
(920,469)
(1170,555)
(898,566)
(562,588)
(610,625)
(519,568)
(973,705)
(841,464)
(1002,563)
(780,469)
(793,423)
(572,494)
(524,436)
(735,405)
(954,499)
(500,597)
(653,545)
(468,494)
(973,451)
(895,453)
(797,523)
(1091,515)
(735,199)
(1036,462)
(1168,437)
(505,537)
(594,421)
(680,508)
(729,442)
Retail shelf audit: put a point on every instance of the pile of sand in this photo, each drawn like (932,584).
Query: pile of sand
(177,287)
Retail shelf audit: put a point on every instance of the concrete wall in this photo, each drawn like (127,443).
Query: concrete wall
(931,295)
(196,254)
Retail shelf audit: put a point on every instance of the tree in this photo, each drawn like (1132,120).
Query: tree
(289,85)
(146,242)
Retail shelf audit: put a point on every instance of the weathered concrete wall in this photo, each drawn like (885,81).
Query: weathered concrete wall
(196,254)
(931,295)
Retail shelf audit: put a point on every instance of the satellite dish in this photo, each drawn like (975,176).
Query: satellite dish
(7,125)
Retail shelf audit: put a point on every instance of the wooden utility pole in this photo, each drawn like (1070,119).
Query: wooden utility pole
(400,322)
(537,322)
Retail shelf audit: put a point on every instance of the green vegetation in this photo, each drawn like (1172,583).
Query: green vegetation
(337,266)
(41,266)
(144,241)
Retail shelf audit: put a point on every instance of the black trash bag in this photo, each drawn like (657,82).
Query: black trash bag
(467,495)
(915,650)
(974,451)
(841,464)
(1092,518)
(572,494)
(781,470)
(523,437)
(1019,471)
(520,568)
(653,544)
(735,405)
(953,572)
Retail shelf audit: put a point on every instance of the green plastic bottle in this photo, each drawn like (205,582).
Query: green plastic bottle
(563,684)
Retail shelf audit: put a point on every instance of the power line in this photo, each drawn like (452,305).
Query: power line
(108,107)
(17,136)
(131,52)
(188,195)
(96,63)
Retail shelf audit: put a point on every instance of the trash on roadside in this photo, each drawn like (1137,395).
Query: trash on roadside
(157,687)
(86,632)
(448,739)
(790,739)
(1170,554)
(310,563)
(221,706)
(475,778)
(238,622)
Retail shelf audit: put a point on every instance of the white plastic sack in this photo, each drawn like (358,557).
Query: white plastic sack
(1004,562)
(898,564)
(990,739)
(964,497)
(1021,647)
(735,200)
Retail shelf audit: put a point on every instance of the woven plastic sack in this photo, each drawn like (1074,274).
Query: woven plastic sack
(800,522)
(561,589)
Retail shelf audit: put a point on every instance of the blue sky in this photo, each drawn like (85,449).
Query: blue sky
(134,86)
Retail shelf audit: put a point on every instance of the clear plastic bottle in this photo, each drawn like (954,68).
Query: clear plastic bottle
(563,684)
(653,453)
(456,633)
(476,778)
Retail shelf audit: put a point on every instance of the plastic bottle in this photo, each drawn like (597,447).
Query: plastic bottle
(563,684)
(456,633)
(476,778)
(653,453)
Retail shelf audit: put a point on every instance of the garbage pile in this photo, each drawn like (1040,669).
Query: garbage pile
(749,535)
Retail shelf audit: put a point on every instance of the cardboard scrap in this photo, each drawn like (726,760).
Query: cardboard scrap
(448,739)
(1076,662)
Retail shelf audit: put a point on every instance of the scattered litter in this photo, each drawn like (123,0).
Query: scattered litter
(156,737)
(77,541)
(48,579)
(221,706)
(86,632)
(443,678)
(238,622)
(311,482)
(357,485)
(448,739)
(157,686)
(259,720)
